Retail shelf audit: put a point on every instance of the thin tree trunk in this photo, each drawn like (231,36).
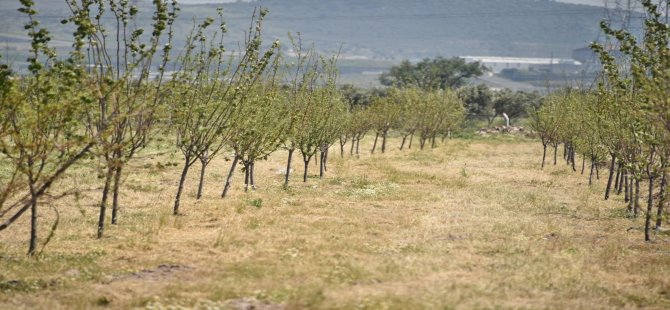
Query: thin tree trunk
(103,202)
(573,154)
(583,163)
(591,173)
(411,138)
(246,175)
(374,146)
(555,154)
(402,145)
(595,163)
(626,187)
(384,134)
(544,153)
(617,176)
(321,164)
(432,141)
(650,206)
(306,160)
(342,148)
(631,200)
(33,219)
(229,179)
(622,174)
(252,168)
(325,160)
(180,188)
(353,145)
(611,176)
(288,167)
(358,144)
(201,183)
(661,200)
(115,193)
(636,210)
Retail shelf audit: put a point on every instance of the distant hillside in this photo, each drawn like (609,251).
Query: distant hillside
(396,29)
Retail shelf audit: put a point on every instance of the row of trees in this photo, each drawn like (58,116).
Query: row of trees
(105,102)
(625,122)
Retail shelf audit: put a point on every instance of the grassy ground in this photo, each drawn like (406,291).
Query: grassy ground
(471,224)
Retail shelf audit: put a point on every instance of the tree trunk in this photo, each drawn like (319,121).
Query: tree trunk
(384,134)
(432,141)
(342,148)
(229,179)
(306,161)
(617,176)
(636,198)
(591,173)
(661,200)
(252,181)
(626,185)
(246,175)
(33,220)
(358,144)
(115,193)
(180,188)
(622,173)
(201,183)
(353,144)
(573,154)
(322,159)
(402,145)
(555,154)
(374,146)
(288,167)
(411,138)
(325,160)
(611,176)
(544,153)
(650,206)
(103,202)
(583,163)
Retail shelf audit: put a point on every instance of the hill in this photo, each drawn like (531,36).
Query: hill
(370,35)
(391,29)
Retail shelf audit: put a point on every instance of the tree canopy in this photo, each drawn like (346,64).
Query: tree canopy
(431,74)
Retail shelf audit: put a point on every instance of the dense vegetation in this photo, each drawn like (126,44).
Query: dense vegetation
(625,122)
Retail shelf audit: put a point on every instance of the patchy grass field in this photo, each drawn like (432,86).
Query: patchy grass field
(470,224)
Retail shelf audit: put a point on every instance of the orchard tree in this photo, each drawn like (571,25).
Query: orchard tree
(119,60)
(210,87)
(40,130)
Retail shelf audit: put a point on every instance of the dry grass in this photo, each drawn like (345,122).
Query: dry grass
(473,224)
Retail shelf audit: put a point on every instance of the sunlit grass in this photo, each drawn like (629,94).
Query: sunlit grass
(470,224)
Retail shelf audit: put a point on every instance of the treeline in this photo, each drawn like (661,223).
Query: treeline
(625,122)
(106,101)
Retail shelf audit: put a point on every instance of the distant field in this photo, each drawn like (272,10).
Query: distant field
(470,224)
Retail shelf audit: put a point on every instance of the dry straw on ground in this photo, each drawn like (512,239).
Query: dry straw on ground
(471,224)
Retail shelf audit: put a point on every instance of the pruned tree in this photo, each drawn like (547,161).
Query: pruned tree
(40,130)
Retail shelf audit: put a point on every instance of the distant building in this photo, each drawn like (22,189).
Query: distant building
(497,64)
